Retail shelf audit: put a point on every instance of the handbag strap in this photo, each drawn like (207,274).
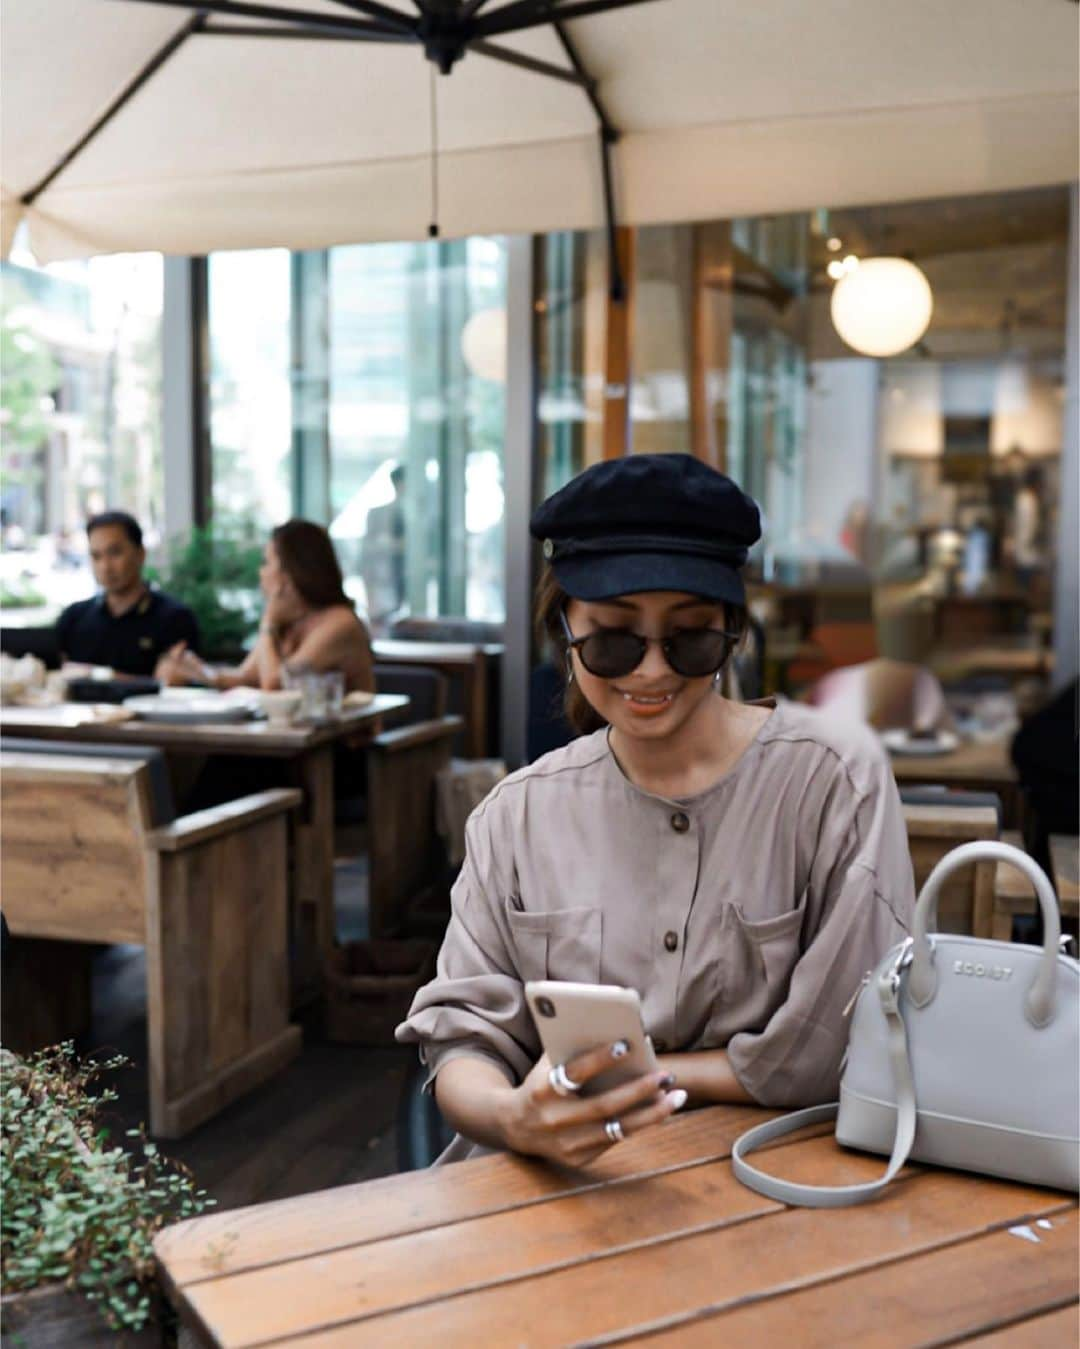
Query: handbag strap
(839,1196)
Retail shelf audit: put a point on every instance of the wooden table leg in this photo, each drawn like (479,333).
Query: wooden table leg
(313,921)
(475,699)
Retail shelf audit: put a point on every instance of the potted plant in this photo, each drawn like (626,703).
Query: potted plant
(78,1217)
(214,570)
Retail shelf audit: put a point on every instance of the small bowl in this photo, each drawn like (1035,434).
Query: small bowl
(280,705)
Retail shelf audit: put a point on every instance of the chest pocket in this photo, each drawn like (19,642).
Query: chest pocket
(759,958)
(562,944)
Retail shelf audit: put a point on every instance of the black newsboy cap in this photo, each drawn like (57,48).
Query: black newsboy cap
(648,522)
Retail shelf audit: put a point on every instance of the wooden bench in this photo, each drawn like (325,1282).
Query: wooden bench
(966,901)
(404,847)
(205,894)
(1014,893)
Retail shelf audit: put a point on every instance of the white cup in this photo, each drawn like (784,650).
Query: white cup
(280,705)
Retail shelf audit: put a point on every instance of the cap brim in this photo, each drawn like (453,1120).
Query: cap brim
(601,577)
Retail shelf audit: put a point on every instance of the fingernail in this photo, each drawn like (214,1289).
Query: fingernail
(619,1049)
(676,1099)
(668,1080)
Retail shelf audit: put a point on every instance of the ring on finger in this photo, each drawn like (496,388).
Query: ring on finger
(614,1131)
(561,1082)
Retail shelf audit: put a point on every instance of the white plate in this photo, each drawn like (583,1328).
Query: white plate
(186,711)
(902,742)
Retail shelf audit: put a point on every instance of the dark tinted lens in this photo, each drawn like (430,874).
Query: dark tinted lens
(611,653)
(697,651)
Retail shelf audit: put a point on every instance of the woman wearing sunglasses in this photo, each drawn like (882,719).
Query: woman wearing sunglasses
(740,865)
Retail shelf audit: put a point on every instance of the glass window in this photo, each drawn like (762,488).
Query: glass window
(250,395)
(80,405)
(364,387)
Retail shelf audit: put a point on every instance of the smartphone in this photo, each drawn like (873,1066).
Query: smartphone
(574,1018)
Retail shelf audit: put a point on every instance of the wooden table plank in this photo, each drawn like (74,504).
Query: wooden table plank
(669,1277)
(73,721)
(955,1291)
(379,1277)
(312,1224)
(1055,1330)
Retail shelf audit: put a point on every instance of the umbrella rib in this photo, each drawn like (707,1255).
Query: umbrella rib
(391,18)
(513,58)
(297,33)
(193,25)
(245,9)
(513,18)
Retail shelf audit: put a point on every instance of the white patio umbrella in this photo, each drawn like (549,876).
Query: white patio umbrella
(156,124)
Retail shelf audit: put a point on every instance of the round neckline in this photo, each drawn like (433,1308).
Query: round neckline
(751,752)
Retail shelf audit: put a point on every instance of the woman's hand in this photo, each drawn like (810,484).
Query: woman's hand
(180,666)
(536,1120)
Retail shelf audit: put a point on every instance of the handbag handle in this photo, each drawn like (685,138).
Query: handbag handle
(922,980)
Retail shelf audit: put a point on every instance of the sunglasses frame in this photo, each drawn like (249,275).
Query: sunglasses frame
(664,643)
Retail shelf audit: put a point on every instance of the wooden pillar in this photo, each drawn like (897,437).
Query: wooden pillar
(618,354)
(710,343)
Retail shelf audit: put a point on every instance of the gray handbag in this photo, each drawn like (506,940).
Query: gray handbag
(963,1052)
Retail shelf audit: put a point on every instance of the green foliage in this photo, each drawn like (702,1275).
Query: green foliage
(31,376)
(17,594)
(216,572)
(74,1211)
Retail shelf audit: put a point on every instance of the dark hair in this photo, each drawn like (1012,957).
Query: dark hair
(548,603)
(308,559)
(127,523)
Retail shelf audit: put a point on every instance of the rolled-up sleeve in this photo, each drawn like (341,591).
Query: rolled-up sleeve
(475,1006)
(859,905)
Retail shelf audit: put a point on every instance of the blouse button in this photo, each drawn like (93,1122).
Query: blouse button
(671,941)
(680,822)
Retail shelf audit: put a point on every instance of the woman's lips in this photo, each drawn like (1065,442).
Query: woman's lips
(647,705)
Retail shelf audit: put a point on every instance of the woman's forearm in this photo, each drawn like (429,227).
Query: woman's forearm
(708,1077)
(472,1095)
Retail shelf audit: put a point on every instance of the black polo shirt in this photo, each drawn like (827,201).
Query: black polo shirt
(131,642)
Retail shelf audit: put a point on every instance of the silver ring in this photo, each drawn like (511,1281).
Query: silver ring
(561,1083)
(614,1131)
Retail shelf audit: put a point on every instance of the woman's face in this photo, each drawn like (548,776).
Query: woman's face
(273,577)
(653,701)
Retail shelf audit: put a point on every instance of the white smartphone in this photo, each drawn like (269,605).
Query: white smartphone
(574,1018)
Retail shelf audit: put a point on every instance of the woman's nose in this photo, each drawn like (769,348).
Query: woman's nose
(653,663)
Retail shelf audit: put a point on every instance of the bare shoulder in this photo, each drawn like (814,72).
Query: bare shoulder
(338,618)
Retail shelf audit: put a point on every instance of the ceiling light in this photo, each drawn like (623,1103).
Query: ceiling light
(834,245)
(882,306)
(835,269)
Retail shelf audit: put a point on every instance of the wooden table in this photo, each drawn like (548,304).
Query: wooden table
(656,1239)
(972,766)
(464,661)
(1013,657)
(310,752)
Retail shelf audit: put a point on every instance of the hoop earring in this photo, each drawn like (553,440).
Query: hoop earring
(569,668)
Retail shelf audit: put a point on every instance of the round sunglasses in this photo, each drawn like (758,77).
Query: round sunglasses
(610,653)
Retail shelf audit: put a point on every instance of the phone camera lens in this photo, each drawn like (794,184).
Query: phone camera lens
(545,1007)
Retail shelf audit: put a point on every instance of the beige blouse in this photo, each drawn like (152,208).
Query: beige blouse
(745,916)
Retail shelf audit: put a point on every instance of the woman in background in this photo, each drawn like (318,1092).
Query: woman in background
(308,622)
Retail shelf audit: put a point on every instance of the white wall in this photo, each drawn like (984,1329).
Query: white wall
(841,443)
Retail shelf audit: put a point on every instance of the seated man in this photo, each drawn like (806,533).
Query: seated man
(129,626)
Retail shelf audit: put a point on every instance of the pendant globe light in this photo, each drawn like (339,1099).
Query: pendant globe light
(882,306)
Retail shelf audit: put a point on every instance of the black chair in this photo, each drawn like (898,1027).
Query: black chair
(422,1132)
(426,689)
(546,727)
(40,642)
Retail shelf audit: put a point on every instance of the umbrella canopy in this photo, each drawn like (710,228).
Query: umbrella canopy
(238,139)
